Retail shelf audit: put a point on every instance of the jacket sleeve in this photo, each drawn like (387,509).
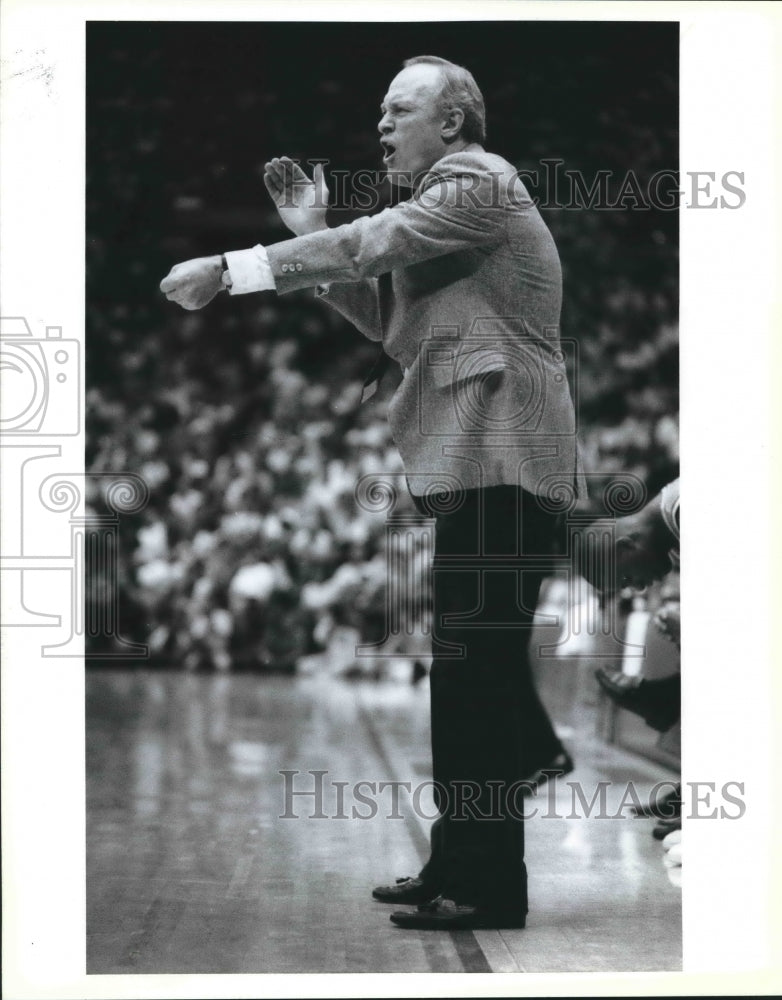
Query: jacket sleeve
(358,303)
(459,206)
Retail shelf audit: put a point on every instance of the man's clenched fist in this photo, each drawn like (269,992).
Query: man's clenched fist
(194,282)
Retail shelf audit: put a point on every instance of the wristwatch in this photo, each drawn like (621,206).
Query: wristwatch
(225,277)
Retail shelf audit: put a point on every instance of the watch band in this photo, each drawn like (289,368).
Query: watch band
(225,277)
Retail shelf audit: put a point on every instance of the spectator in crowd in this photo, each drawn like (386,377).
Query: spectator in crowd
(646,550)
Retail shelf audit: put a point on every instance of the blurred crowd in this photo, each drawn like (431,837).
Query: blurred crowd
(252,550)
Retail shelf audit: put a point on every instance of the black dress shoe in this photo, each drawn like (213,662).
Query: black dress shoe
(561,765)
(442,914)
(405,890)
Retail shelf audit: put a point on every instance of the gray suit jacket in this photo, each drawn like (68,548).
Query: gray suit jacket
(463,286)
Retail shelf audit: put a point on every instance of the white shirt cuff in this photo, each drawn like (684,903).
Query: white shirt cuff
(250,271)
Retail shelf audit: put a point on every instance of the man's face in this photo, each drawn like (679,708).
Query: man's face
(410,128)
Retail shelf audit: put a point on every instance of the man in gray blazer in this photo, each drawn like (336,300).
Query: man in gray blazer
(461,284)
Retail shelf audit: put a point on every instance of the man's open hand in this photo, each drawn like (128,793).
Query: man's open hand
(301,202)
(193,283)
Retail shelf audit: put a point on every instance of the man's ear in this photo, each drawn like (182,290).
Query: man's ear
(452,126)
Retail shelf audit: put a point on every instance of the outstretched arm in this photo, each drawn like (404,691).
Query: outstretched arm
(301,204)
(459,208)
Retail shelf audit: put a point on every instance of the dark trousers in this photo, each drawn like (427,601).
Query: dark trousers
(489,728)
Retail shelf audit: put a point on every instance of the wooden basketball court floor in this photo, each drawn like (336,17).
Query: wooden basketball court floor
(193,867)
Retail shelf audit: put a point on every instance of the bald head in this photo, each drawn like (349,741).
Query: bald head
(419,126)
(458,88)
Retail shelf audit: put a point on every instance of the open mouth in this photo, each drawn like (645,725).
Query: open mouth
(388,151)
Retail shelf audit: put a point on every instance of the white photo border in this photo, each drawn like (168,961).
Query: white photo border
(730,111)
